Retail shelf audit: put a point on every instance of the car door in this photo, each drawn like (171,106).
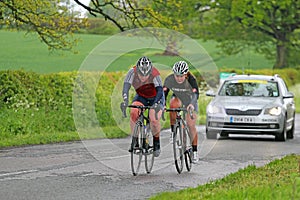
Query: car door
(288,101)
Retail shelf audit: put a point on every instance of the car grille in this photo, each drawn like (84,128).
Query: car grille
(243,125)
(240,112)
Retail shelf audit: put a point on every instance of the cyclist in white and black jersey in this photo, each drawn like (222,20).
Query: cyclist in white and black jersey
(185,93)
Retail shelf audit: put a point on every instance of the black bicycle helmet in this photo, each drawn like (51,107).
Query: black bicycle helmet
(180,68)
(144,66)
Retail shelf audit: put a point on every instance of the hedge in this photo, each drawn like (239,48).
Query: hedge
(32,103)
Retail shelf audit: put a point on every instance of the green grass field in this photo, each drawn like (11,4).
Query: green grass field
(279,180)
(20,51)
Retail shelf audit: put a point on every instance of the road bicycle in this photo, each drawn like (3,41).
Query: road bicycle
(141,141)
(182,143)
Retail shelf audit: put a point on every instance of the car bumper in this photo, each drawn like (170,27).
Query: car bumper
(245,124)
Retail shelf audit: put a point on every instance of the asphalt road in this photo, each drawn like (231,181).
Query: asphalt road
(100,169)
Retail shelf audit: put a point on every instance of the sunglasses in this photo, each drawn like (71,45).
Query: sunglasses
(179,75)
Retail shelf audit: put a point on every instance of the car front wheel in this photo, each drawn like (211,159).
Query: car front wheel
(283,134)
(290,133)
(211,134)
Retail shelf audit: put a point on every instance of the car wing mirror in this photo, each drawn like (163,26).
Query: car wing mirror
(289,95)
(210,93)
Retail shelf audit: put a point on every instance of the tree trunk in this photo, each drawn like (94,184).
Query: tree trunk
(281,56)
(171,49)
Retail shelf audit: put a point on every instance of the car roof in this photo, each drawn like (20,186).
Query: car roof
(253,77)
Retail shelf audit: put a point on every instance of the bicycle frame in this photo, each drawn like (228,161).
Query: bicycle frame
(142,141)
(181,140)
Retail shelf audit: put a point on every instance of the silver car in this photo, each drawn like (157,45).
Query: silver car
(251,104)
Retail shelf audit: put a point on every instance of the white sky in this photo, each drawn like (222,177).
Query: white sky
(79,8)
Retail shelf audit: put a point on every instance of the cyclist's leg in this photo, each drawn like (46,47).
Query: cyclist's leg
(155,123)
(174,103)
(155,128)
(134,115)
(191,123)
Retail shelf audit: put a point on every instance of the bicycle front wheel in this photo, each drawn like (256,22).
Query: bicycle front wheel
(136,154)
(188,149)
(177,147)
(149,156)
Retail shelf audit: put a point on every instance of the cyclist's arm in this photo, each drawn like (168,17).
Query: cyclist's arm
(158,87)
(166,92)
(125,92)
(159,94)
(195,90)
(127,84)
(166,88)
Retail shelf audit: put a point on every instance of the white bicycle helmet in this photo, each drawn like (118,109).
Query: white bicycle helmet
(144,66)
(180,68)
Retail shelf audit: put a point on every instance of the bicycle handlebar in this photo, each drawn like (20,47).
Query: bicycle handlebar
(141,107)
(181,109)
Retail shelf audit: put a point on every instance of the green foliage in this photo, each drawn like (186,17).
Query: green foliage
(296,91)
(25,90)
(279,179)
(271,27)
(132,14)
(36,105)
(33,105)
(49,19)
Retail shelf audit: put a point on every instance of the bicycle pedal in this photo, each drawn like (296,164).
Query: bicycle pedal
(189,150)
(150,150)
(145,151)
(137,150)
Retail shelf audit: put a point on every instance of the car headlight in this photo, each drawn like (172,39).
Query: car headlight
(274,111)
(211,109)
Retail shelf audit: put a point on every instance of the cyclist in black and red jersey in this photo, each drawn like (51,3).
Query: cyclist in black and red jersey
(146,80)
(185,93)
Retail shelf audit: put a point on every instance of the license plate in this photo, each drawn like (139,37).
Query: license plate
(242,119)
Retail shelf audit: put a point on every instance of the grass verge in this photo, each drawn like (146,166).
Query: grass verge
(279,179)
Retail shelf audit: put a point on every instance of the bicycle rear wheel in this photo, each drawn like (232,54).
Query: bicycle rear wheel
(177,148)
(136,154)
(149,156)
(188,149)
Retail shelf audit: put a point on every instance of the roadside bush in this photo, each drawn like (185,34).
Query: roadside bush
(34,104)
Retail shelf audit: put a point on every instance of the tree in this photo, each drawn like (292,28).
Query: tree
(265,25)
(129,14)
(50,19)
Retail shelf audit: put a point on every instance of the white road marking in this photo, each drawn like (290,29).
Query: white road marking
(18,173)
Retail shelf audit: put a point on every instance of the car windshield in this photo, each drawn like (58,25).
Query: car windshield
(254,88)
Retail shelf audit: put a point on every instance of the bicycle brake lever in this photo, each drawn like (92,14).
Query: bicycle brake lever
(124,113)
(191,113)
(163,115)
(123,109)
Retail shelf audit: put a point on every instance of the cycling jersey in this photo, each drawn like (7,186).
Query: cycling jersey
(187,91)
(150,89)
